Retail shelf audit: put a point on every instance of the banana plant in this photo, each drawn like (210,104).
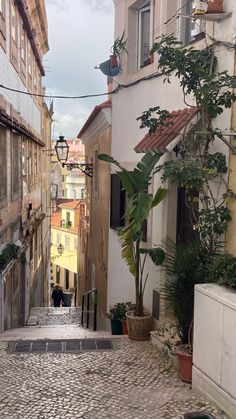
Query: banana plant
(139,204)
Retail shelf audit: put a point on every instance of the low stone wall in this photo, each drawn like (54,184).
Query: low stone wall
(214,346)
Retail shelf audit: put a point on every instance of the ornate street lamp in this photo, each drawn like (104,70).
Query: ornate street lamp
(60,249)
(62,150)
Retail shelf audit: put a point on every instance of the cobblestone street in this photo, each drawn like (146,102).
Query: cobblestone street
(131,381)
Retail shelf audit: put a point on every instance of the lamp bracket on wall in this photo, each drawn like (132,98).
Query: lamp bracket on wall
(86,168)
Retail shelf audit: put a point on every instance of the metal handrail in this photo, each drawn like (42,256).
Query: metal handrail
(86,312)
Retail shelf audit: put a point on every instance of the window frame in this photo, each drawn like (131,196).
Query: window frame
(141,11)
(14,39)
(187,35)
(3,149)
(3,24)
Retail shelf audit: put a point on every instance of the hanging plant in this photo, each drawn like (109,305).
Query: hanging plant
(9,253)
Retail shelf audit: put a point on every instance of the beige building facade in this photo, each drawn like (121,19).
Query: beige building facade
(93,259)
(25,182)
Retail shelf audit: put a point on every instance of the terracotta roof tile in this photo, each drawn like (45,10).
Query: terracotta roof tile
(164,135)
(56,218)
(70,205)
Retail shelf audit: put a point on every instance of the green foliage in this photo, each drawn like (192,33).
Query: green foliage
(196,71)
(157,255)
(223,270)
(149,121)
(213,223)
(184,267)
(139,205)
(9,252)
(119,310)
(119,45)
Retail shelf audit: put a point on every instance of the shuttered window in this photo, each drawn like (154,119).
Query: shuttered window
(117,207)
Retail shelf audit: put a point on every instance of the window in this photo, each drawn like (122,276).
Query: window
(140,34)
(24,158)
(3,23)
(23,44)
(15,172)
(35,160)
(3,8)
(67,216)
(29,66)
(117,210)
(57,274)
(23,53)
(67,243)
(58,238)
(144,44)
(3,165)
(30,160)
(14,34)
(75,280)
(13,23)
(75,244)
(67,275)
(194,29)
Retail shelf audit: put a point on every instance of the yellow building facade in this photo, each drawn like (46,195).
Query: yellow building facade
(64,243)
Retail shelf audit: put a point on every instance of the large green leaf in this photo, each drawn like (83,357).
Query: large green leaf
(141,208)
(127,182)
(159,196)
(108,159)
(157,255)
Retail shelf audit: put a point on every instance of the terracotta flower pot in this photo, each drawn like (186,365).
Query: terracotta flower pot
(114,61)
(139,327)
(215,6)
(185,364)
(124,327)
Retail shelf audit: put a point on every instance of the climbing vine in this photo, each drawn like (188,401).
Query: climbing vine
(197,169)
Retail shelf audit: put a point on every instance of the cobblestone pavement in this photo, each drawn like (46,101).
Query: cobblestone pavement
(130,382)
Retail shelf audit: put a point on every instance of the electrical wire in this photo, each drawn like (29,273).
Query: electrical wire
(51,96)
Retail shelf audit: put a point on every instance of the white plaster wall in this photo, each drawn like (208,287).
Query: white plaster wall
(214,359)
(127,105)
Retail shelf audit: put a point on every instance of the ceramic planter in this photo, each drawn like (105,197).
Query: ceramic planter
(114,61)
(185,364)
(124,327)
(215,6)
(116,327)
(139,327)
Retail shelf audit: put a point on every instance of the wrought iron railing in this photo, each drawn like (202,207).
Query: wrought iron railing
(89,308)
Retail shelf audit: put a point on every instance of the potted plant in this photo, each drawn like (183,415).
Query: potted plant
(117,316)
(183,266)
(139,204)
(116,49)
(186,265)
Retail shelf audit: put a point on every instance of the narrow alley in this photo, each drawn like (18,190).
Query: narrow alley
(131,380)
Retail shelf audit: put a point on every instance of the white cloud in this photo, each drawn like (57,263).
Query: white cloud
(101,6)
(78,40)
(60,5)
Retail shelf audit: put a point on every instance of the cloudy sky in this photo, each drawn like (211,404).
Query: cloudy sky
(80,36)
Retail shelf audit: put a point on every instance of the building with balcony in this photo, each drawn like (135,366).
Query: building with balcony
(25,181)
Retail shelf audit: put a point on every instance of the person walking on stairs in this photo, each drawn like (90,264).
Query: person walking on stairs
(57,296)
